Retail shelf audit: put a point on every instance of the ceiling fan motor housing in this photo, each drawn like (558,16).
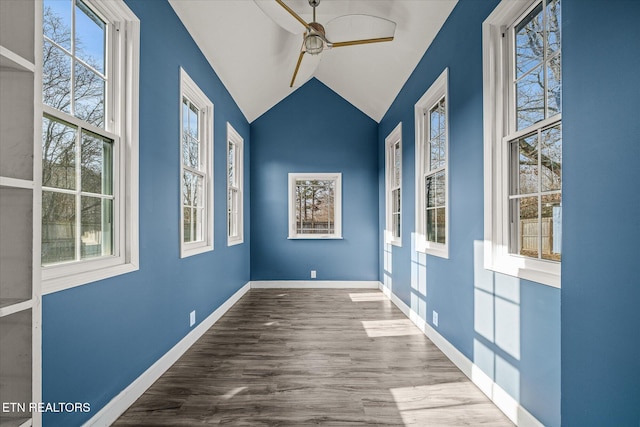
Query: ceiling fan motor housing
(313,42)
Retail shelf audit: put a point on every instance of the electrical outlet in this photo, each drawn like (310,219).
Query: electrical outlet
(435,318)
(313,274)
(192,318)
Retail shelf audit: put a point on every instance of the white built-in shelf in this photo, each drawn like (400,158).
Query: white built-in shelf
(15,183)
(10,60)
(10,306)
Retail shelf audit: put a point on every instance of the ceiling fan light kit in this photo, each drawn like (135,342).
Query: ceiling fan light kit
(315,40)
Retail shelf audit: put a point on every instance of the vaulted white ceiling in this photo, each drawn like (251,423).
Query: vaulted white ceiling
(255,58)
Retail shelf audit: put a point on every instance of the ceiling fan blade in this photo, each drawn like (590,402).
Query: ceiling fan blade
(363,41)
(295,72)
(283,15)
(305,67)
(361,28)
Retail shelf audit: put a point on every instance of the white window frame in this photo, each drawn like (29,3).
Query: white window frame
(233,137)
(498,101)
(438,90)
(391,141)
(190,90)
(337,177)
(121,123)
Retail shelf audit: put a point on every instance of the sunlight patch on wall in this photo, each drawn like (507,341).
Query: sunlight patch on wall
(497,325)
(496,306)
(388,257)
(418,269)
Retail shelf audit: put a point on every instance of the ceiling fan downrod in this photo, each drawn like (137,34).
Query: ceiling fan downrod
(314,43)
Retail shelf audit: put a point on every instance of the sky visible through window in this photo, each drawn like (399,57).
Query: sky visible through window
(89,33)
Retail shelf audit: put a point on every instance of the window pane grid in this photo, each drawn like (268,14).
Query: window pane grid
(191,144)
(537,76)
(234,186)
(435,209)
(535,178)
(535,198)
(233,212)
(76,224)
(436,151)
(393,186)
(315,206)
(434,176)
(74,73)
(395,212)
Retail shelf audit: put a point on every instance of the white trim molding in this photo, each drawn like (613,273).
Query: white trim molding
(120,403)
(507,404)
(314,284)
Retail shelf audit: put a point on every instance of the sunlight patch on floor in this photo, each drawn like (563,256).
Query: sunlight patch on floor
(390,328)
(445,404)
(368,297)
(233,392)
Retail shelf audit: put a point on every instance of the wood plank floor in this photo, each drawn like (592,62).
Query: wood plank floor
(298,357)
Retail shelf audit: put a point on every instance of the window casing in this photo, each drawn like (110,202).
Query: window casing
(315,206)
(432,166)
(235,187)
(90,142)
(393,187)
(196,169)
(523,140)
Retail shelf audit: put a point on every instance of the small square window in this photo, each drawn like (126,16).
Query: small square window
(315,206)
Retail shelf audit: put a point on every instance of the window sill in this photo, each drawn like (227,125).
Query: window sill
(234,242)
(61,283)
(190,251)
(389,239)
(539,271)
(315,238)
(431,248)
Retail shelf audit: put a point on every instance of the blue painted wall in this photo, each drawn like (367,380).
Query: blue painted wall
(600,281)
(325,135)
(100,337)
(510,328)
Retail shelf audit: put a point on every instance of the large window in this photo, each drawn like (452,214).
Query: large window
(393,181)
(89,141)
(235,186)
(196,175)
(523,140)
(315,206)
(432,160)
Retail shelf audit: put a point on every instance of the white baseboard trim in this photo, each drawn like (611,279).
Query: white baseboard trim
(314,284)
(507,404)
(120,403)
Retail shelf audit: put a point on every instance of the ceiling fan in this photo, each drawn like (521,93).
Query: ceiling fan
(367,29)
